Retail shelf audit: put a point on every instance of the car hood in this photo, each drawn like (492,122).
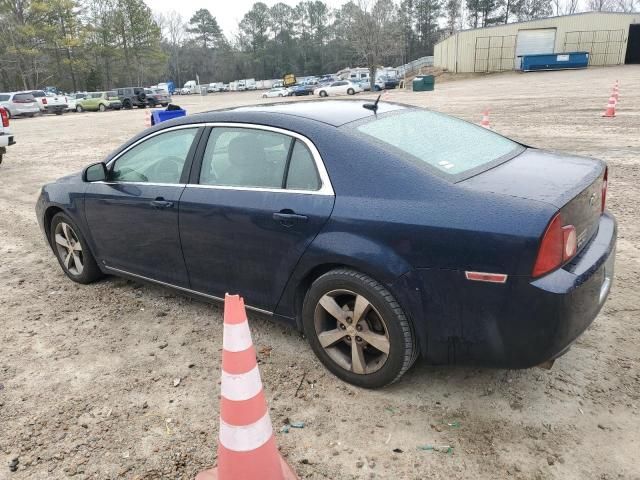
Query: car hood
(540,175)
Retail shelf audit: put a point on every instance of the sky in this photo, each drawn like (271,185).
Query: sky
(227,12)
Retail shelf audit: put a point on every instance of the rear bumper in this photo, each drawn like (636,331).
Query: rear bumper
(56,108)
(6,140)
(25,111)
(518,324)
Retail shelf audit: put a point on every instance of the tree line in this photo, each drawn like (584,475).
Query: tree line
(100,44)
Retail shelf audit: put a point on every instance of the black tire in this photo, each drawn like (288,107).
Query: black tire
(165,105)
(79,109)
(351,91)
(102,107)
(142,105)
(90,271)
(126,104)
(58,112)
(403,349)
(152,103)
(322,93)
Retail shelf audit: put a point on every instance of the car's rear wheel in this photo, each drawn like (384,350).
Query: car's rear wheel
(323,93)
(357,329)
(127,104)
(72,251)
(351,91)
(102,107)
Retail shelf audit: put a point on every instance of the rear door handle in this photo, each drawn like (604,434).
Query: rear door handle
(161,203)
(288,219)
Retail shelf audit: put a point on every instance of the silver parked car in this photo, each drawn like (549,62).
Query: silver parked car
(19,104)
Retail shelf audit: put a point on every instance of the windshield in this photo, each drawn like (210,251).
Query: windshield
(451,146)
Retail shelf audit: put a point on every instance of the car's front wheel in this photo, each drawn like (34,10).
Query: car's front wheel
(72,251)
(79,108)
(323,93)
(102,107)
(351,91)
(357,329)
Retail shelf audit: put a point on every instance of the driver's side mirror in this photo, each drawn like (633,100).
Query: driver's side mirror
(95,173)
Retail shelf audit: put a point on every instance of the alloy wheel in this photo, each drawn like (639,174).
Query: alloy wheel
(69,248)
(352,331)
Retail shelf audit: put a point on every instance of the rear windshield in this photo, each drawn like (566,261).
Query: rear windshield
(449,145)
(38,93)
(24,97)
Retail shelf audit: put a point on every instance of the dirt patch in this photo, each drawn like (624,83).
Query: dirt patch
(87,373)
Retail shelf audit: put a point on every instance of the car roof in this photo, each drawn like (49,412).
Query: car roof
(331,112)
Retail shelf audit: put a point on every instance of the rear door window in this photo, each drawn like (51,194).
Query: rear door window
(302,173)
(245,157)
(4,98)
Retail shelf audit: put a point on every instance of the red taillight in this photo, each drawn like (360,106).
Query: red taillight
(44,101)
(559,244)
(605,183)
(5,117)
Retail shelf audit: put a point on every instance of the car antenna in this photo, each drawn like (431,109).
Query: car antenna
(373,106)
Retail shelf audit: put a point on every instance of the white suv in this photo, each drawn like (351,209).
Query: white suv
(6,138)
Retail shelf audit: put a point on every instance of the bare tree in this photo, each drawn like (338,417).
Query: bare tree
(601,5)
(628,5)
(376,33)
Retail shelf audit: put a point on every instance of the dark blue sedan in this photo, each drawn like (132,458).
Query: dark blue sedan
(381,234)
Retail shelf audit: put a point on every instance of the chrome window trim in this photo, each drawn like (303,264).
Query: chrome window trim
(183,289)
(326,189)
(152,184)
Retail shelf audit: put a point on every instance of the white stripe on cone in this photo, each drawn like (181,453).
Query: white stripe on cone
(241,386)
(247,437)
(236,337)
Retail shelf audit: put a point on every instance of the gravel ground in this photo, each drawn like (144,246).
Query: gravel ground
(87,373)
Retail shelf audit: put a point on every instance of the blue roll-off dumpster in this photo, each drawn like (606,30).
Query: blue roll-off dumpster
(554,61)
(163,115)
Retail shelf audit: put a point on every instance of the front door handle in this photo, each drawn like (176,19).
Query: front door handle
(288,218)
(160,203)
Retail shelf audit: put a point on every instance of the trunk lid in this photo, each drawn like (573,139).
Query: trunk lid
(572,184)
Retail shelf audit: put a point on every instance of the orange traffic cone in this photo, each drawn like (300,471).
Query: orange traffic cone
(485,119)
(611,108)
(247,447)
(147,119)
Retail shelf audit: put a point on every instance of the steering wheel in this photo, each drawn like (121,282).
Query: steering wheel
(167,169)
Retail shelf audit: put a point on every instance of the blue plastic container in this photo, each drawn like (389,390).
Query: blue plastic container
(554,61)
(163,115)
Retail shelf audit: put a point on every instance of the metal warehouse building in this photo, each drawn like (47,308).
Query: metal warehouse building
(610,39)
